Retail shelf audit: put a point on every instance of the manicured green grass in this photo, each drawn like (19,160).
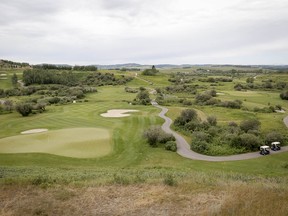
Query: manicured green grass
(5,80)
(74,142)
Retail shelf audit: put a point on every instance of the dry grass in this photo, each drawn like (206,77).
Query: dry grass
(144,199)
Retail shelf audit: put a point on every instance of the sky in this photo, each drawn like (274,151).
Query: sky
(144,31)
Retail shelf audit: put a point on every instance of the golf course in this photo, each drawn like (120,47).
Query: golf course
(90,153)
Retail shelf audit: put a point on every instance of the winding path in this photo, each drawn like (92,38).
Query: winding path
(183,148)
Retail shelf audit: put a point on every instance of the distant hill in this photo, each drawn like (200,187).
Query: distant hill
(12,64)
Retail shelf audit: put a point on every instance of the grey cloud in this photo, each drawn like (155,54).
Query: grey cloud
(26,11)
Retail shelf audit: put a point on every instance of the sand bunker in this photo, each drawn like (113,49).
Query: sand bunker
(34,131)
(118,113)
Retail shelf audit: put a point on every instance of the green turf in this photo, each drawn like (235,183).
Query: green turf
(74,142)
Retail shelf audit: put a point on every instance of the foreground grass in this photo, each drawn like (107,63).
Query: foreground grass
(198,195)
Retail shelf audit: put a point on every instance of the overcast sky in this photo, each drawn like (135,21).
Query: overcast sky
(144,31)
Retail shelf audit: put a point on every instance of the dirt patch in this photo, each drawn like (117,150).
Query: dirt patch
(34,131)
(118,113)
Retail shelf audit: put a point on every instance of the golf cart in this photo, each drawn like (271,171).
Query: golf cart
(275,146)
(264,150)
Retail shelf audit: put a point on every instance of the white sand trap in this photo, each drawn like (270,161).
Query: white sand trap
(34,131)
(118,113)
(220,93)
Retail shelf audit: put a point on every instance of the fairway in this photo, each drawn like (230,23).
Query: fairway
(73,142)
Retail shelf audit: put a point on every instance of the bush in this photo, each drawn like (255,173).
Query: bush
(202,98)
(185,117)
(143,97)
(284,95)
(164,137)
(251,124)
(199,135)
(24,108)
(247,141)
(200,146)
(212,120)
(54,100)
(171,146)
(152,135)
(273,136)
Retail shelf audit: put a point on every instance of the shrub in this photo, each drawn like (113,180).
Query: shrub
(54,100)
(202,98)
(200,146)
(192,125)
(284,95)
(200,135)
(171,146)
(185,117)
(164,137)
(247,141)
(273,136)
(24,108)
(212,120)
(143,97)
(152,135)
(187,103)
(250,124)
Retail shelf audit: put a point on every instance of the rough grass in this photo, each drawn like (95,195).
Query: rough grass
(73,142)
(186,198)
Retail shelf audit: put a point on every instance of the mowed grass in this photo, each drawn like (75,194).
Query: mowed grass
(127,133)
(74,142)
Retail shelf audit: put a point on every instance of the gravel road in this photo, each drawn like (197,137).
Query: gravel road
(183,148)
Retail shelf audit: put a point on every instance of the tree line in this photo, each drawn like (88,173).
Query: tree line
(65,67)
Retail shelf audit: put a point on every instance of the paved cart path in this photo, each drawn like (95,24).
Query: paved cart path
(183,148)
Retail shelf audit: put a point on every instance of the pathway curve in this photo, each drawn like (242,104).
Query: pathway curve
(285,120)
(183,148)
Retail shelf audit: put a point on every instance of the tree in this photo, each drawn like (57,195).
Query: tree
(14,80)
(24,108)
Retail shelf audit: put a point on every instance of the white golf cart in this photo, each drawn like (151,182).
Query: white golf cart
(275,146)
(264,150)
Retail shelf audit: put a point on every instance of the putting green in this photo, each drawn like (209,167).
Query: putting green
(73,142)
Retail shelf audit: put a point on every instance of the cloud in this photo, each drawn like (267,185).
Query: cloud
(117,31)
